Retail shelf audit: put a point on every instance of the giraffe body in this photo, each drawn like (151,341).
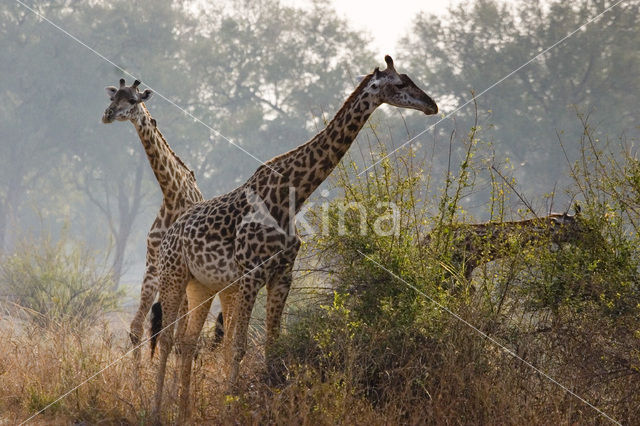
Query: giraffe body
(475,244)
(176,180)
(245,239)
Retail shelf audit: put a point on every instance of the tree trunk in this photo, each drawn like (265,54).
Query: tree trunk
(128,210)
(9,217)
(3,227)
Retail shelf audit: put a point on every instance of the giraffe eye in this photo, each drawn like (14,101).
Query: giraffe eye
(401,85)
(132,101)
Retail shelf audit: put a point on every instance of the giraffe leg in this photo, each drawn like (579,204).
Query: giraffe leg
(170,298)
(246,297)
(200,298)
(166,343)
(227,304)
(147,295)
(136,329)
(181,324)
(277,292)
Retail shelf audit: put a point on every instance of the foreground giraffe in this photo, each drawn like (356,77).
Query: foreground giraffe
(213,245)
(474,244)
(176,180)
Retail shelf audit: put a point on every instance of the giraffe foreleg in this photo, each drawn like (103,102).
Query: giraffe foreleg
(250,284)
(277,293)
(228,304)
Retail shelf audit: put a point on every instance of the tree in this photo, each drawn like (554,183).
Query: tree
(477,43)
(265,74)
(32,108)
(261,73)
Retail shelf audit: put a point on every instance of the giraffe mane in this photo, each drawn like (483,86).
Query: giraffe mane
(166,145)
(357,90)
(346,103)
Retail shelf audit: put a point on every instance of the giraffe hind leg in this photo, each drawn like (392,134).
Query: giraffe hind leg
(164,314)
(181,325)
(227,304)
(199,298)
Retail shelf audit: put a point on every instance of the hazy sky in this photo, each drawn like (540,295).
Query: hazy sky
(385,21)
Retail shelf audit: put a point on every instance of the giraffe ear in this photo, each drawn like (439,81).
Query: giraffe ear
(111,91)
(146,95)
(577,208)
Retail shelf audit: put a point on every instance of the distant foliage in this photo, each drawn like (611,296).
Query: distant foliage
(55,283)
(260,73)
(478,42)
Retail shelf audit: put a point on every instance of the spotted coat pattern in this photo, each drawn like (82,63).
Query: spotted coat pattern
(177,182)
(474,244)
(213,246)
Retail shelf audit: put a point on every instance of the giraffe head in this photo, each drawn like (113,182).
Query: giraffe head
(125,102)
(571,228)
(395,89)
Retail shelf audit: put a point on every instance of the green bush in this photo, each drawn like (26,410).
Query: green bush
(57,283)
(401,339)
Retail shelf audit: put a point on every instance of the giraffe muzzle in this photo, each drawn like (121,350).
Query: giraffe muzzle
(431,109)
(108,116)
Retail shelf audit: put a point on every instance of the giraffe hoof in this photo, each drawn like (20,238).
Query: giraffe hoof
(135,340)
(276,373)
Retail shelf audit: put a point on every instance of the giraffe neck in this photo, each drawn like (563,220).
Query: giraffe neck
(307,166)
(173,176)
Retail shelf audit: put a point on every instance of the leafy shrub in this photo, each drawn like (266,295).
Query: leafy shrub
(54,283)
(397,330)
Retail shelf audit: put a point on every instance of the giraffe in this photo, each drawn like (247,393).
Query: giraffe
(176,180)
(225,242)
(474,244)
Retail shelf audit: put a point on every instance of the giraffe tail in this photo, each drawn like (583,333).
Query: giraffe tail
(156,325)
(219,331)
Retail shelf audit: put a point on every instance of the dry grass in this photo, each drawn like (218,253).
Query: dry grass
(457,378)
(38,367)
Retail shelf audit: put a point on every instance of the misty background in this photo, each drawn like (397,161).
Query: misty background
(269,76)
